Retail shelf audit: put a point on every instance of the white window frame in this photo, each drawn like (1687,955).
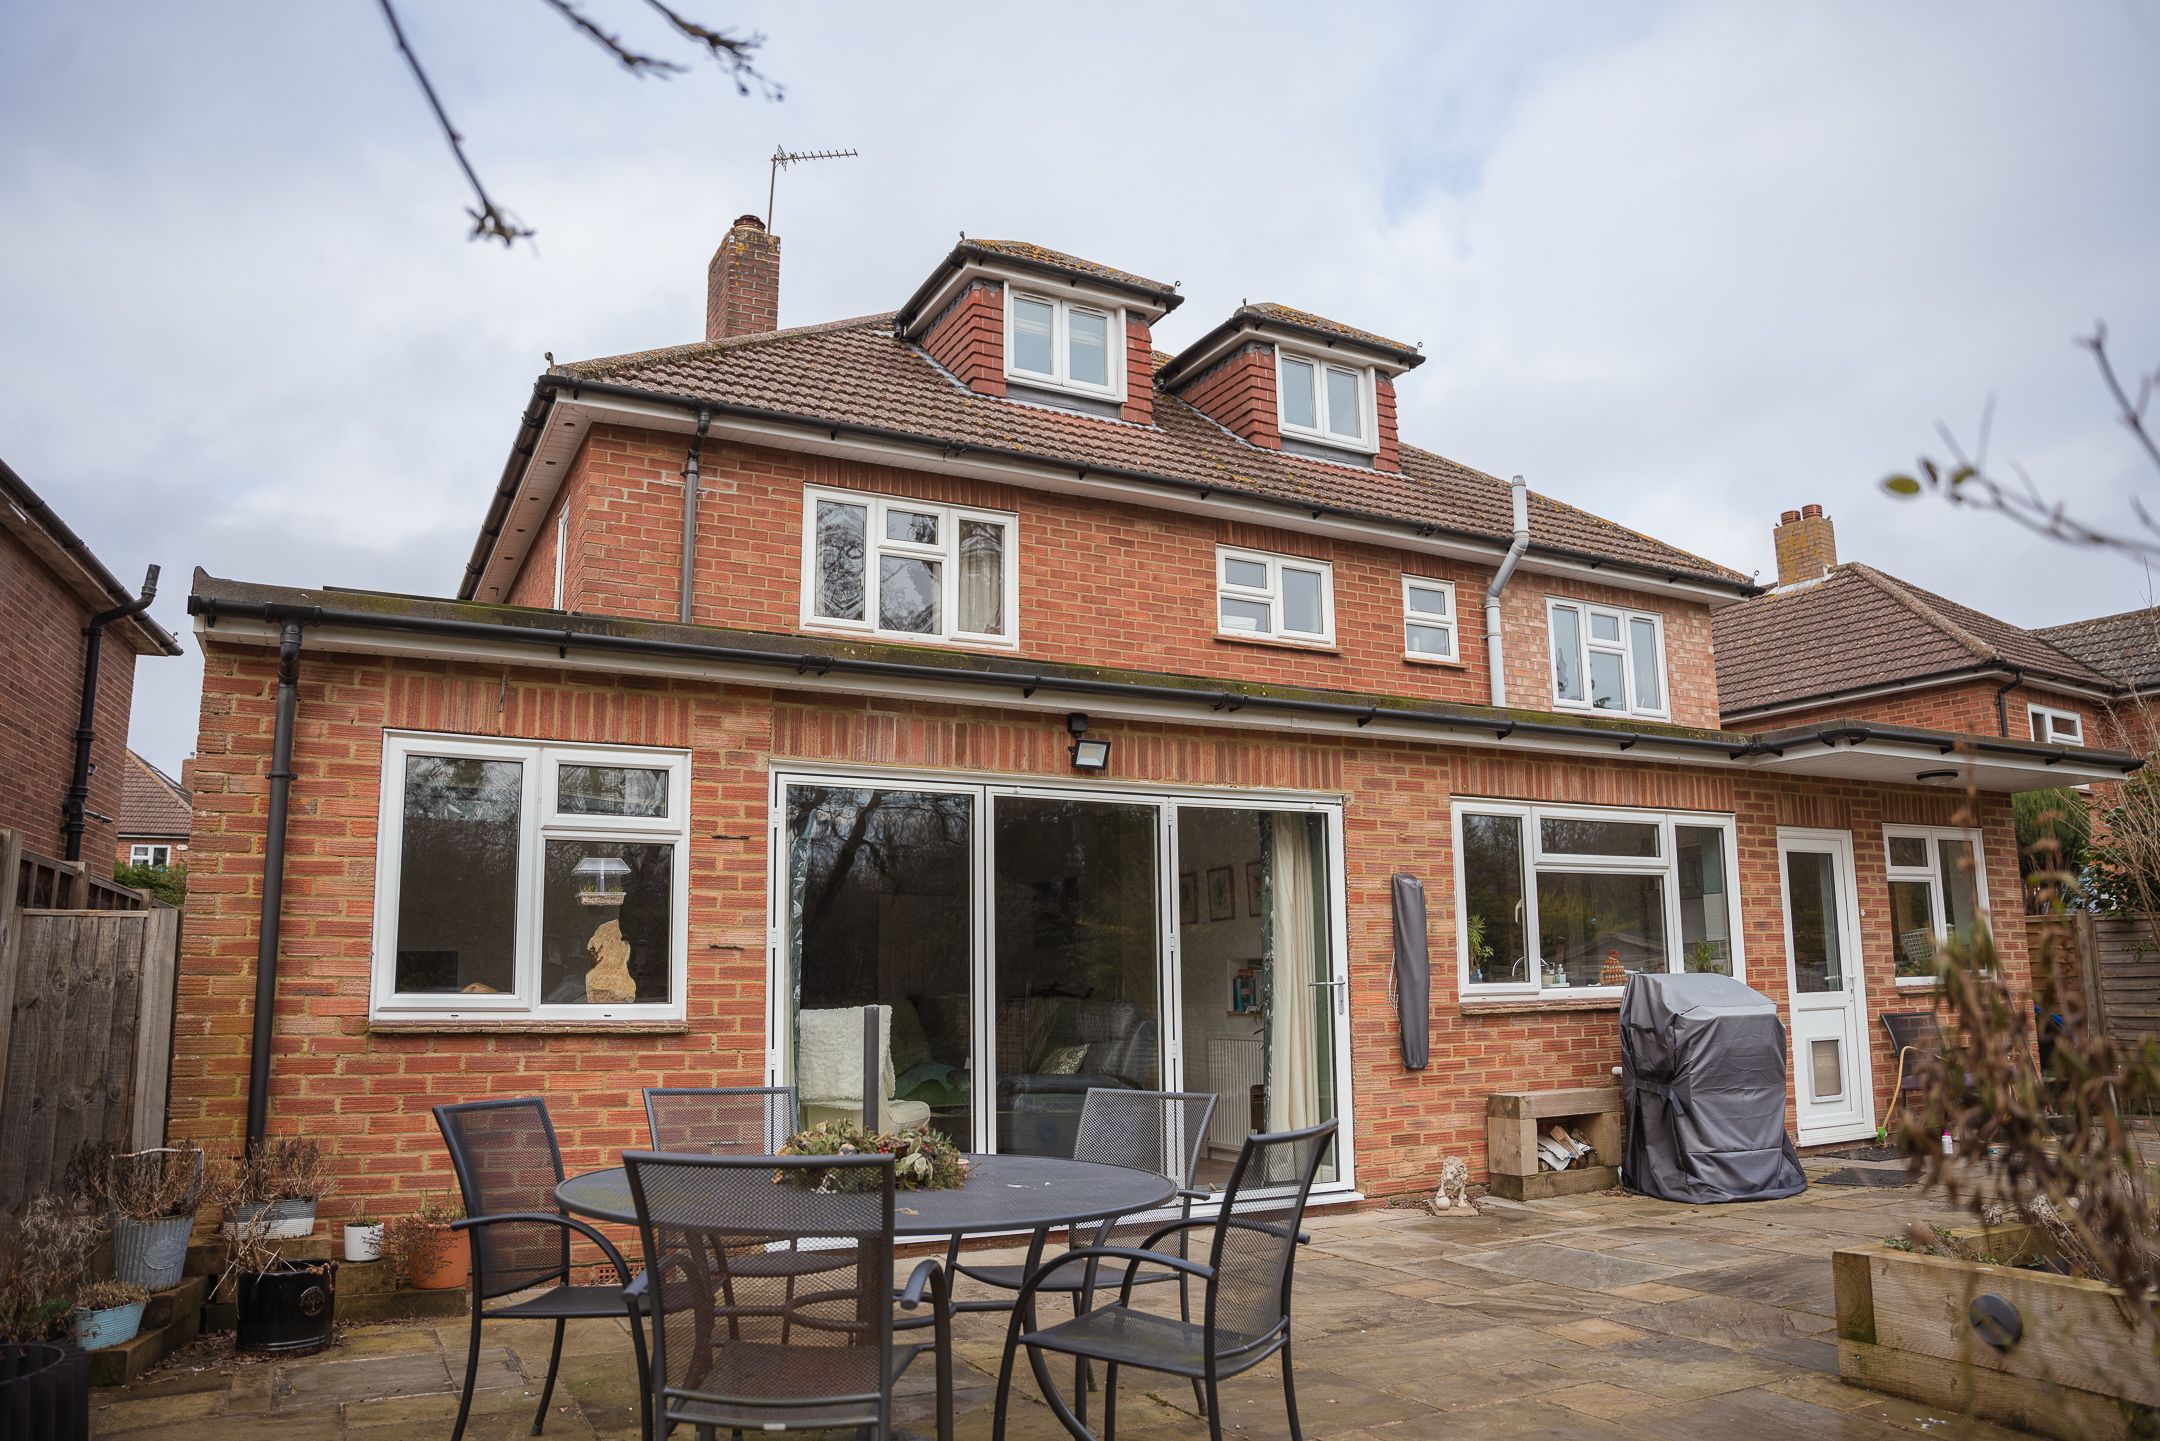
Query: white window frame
(145,854)
(1452,625)
(1366,442)
(1059,377)
(1931,874)
(1272,595)
(2069,722)
(1624,648)
(1665,864)
(946,552)
(539,823)
(562,551)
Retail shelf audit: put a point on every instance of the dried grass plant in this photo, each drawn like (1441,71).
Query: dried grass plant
(139,1185)
(44,1261)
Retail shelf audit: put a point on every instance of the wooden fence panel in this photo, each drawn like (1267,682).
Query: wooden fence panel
(2124,961)
(90,990)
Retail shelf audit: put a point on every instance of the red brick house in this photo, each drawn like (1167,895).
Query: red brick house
(70,634)
(156,815)
(1074,701)
(2125,647)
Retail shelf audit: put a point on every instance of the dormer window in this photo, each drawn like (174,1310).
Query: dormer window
(1065,345)
(1332,404)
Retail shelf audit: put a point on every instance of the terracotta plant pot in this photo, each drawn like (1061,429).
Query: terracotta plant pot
(449,1270)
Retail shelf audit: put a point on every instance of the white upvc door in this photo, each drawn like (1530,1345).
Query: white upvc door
(1833,1084)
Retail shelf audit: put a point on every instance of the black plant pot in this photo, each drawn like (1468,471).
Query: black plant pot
(287,1309)
(44,1391)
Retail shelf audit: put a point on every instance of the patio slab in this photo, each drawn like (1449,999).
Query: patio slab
(1593,1318)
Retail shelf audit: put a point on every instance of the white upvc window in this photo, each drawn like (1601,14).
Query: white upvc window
(1274,597)
(1429,630)
(886,565)
(562,550)
(1568,901)
(2055,727)
(149,855)
(1067,344)
(1938,889)
(1318,399)
(1604,658)
(527,881)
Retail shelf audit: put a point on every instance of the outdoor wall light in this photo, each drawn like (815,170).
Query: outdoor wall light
(1934,776)
(1087,755)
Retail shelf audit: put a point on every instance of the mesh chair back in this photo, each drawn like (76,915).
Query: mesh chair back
(507,1160)
(733,1346)
(1256,1234)
(721,1120)
(1159,1131)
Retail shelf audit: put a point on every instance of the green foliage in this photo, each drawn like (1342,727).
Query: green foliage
(167,883)
(2122,861)
(924,1158)
(2054,828)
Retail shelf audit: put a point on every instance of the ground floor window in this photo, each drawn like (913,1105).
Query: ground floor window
(522,880)
(149,855)
(1565,900)
(1023,945)
(1937,890)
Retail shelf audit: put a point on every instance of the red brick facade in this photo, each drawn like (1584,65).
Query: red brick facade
(968,339)
(1239,392)
(41,663)
(1967,707)
(742,282)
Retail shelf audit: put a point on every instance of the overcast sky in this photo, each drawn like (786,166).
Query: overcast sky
(1684,266)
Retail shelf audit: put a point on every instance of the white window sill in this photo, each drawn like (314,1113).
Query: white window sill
(1332,442)
(1280,642)
(1918,983)
(1576,707)
(1433,660)
(1576,998)
(520,1025)
(908,637)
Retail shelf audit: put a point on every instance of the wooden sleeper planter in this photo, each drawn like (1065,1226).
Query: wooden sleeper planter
(2029,1348)
(1515,1119)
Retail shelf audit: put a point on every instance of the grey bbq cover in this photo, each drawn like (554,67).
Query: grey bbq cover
(1703,1081)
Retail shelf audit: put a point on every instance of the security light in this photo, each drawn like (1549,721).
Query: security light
(1087,755)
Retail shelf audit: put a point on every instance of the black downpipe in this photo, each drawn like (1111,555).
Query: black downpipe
(2002,702)
(75,808)
(273,890)
(689,514)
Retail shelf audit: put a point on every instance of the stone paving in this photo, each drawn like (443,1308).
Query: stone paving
(1591,1318)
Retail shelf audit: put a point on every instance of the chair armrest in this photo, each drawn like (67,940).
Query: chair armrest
(1194,1193)
(929,1273)
(546,1218)
(1134,1256)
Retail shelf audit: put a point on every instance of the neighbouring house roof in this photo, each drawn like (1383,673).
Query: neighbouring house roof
(1859,628)
(2125,646)
(48,537)
(859,373)
(1158,295)
(152,803)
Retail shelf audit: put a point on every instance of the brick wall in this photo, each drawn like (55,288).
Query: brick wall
(742,282)
(41,663)
(968,339)
(366,1091)
(1239,392)
(1966,707)
(1389,455)
(1100,583)
(1139,405)
(1806,545)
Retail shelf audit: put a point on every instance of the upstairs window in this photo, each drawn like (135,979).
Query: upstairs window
(1937,890)
(1065,344)
(1274,597)
(1607,659)
(1429,619)
(1323,402)
(897,567)
(2056,727)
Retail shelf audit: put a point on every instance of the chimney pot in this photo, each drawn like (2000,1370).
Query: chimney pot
(1788,517)
(1806,545)
(742,283)
(1809,512)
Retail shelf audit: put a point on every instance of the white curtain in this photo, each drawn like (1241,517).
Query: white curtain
(1293,1045)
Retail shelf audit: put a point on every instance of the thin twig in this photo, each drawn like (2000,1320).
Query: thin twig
(730,50)
(2132,415)
(633,61)
(489,220)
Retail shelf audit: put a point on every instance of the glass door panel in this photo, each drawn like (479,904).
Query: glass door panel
(878,912)
(1811,894)
(1076,961)
(1259,984)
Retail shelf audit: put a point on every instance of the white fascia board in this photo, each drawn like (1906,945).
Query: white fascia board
(1062,287)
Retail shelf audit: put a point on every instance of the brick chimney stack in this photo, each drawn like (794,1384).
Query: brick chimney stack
(1806,545)
(742,285)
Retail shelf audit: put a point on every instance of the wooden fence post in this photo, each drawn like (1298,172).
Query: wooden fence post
(10,943)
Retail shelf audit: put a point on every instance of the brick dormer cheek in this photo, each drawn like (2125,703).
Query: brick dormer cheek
(968,339)
(1389,454)
(1139,407)
(1239,392)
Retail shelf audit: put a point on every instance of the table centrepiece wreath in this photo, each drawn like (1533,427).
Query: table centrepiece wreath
(924,1158)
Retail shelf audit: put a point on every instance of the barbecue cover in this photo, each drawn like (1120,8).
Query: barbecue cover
(1703,1080)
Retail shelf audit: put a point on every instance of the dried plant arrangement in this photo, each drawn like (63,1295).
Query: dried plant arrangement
(44,1261)
(150,1185)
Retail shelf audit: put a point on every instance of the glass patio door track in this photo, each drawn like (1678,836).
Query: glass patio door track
(1027,943)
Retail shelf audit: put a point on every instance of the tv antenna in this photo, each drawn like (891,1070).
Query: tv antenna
(782,158)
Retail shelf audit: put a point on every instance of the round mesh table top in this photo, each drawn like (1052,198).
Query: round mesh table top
(1003,1193)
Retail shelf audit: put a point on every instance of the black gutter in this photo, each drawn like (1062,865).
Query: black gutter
(75,807)
(1165,296)
(273,889)
(561,638)
(947,450)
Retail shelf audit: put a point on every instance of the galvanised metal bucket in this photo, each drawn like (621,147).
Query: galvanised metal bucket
(151,1254)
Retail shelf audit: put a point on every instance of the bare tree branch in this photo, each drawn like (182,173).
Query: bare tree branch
(731,51)
(632,61)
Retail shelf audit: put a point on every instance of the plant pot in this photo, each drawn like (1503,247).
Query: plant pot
(284,1220)
(151,1254)
(452,1263)
(363,1242)
(288,1309)
(44,1391)
(107,1326)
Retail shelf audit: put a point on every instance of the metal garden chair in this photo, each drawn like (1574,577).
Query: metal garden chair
(508,1167)
(752,1353)
(1245,1284)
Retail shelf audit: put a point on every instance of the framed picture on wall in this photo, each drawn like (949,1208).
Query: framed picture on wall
(1221,894)
(1244,992)
(1254,889)
(1188,898)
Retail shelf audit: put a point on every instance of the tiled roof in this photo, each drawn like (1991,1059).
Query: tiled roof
(2125,646)
(1043,255)
(857,372)
(1858,628)
(1306,320)
(151,802)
